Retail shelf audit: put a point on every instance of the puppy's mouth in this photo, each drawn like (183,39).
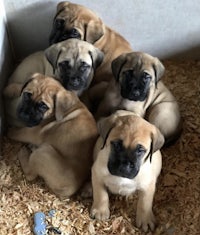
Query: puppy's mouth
(134,93)
(135,88)
(31,113)
(75,84)
(124,162)
(32,123)
(59,37)
(123,170)
(28,120)
(59,34)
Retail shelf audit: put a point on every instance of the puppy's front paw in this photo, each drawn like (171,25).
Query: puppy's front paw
(145,221)
(100,213)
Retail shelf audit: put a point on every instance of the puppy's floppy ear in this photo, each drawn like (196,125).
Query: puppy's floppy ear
(52,54)
(97,57)
(105,125)
(117,65)
(94,30)
(62,5)
(64,100)
(157,139)
(159,70)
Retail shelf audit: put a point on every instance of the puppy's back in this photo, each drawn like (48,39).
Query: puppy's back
(35,62)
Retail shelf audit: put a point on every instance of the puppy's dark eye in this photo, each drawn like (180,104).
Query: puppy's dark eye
(128,73)
(117,145)
(146,77)
(42,106)
(64,64)
(140,150)
(27,96)
(74,32)
(84,66)
(59,23)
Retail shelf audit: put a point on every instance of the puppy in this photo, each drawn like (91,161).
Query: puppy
(72,62)
(36,103)
(127,158)
(137,87)
(64,136)
(76,21)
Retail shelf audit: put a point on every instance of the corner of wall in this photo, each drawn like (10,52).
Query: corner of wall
(6,61)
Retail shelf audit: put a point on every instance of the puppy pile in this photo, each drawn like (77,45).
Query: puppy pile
(91,107)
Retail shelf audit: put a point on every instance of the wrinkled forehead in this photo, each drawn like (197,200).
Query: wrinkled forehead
(139,62)
(74,13)
(42,84)
(133,132)
(75,55)
(42,91)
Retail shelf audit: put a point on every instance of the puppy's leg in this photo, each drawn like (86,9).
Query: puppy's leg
(100,208)
(57,171)
(26,134)
(144,216)
(24,156)
(166,117)
(86,190)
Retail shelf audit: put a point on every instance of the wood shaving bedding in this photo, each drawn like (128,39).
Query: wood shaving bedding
(177,198)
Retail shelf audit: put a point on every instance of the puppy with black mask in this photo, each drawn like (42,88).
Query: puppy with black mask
(137,87)
(35,102)
(31,113)
(60,127)
(74,63)
(126,159)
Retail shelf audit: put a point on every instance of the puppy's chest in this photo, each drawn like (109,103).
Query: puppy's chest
(136,107)
(119,185)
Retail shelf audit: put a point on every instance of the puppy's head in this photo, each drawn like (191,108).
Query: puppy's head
(40,99)
(132,141)
(74,62)
(75,21)
(136,73)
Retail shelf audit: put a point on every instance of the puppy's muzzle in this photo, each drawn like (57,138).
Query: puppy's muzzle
(30,112)
(135,88)
(124,162)
(124,169)
(75,83)
(59,33)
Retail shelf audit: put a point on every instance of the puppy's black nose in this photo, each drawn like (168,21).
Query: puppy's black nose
(136,93)
(75,81)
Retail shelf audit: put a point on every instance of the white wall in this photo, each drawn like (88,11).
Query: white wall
(6,62)
(161,28)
